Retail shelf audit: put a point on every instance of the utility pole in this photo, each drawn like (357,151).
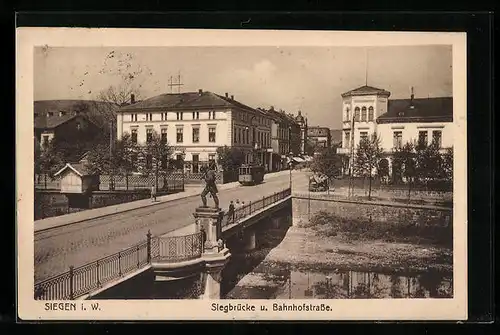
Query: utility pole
(171,83)
(111,178)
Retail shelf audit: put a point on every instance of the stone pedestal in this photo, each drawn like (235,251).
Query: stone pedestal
(212,275)
(209,220)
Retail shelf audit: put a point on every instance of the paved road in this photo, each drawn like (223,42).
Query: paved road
(81,243)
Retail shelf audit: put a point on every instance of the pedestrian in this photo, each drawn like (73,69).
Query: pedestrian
(153,193)
(230,212)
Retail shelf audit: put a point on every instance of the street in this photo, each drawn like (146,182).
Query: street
(81,243)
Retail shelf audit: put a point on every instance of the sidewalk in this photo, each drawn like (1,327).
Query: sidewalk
(95,213)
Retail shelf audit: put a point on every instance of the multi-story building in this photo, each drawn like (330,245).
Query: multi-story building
(66,120)
(285,138)
(319,137)
(195,124)
(302,122)
(395,121)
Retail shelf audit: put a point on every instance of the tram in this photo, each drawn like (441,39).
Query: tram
(250,174)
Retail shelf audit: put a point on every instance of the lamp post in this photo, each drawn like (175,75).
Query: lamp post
(290,155)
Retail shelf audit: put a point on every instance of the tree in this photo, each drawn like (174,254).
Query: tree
(428,162)
(157,152)
(230,158)
(383,169)
(405,158)
(50,160)
(366,159)
(327,162)
(448,165)
(123,152)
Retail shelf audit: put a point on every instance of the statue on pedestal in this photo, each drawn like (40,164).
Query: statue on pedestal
(209,175)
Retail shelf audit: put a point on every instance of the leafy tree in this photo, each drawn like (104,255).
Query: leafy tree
(367,156)
(157,153)
(429,163)
(405,157)
(50,160)
(448,164)
(327,162)
(230,158)
(383,169)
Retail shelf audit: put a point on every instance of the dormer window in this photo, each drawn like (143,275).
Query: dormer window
(49,114)
(36,114)
(62,113)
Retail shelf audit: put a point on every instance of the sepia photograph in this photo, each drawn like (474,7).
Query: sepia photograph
(274,176)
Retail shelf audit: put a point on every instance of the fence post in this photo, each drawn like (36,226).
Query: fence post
(71,288)
(148,246)
(138,259)
(97,274)
(249,208)
(120,264)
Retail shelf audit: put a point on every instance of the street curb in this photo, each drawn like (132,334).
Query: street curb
(98,216)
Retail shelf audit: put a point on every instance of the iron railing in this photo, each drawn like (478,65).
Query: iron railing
(252,207)
(82,280)
(175,249)
(79,281)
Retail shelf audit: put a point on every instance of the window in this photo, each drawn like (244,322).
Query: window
(211,115)
(422,138)
(347,139)
(196,159)
(347,116)
(363,114)
(179,115)
(211,157)
(49,114)
(163,116)
(436,137)
(149,162)
(180,135)
(196,134)
(196,115)
(149,117)
(133,117)
(239,135)
(164,135)
(45,140)
(134,135)
(398,139)
(244,136)
(247,137)
(370,113)
(356,114)
(211,134)
(363,135)
(235,131)
(149,135)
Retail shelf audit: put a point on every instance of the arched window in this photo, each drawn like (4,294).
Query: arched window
(370,113)
(363,114)
(356,114)
(347,116)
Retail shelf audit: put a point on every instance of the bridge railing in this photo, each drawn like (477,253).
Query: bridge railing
(174,249)
(252,207)
(82,280)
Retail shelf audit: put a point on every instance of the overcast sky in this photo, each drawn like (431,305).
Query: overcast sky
(310,79)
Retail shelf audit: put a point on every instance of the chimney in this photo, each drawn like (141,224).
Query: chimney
(232,97)
(132,98)
(227,95)
(200,91)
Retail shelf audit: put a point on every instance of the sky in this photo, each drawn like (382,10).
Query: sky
(310,79)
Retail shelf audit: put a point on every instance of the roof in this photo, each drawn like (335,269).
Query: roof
(71,107)
(366,90)
(78,168)
(188,100)
(424,110)
(279,116)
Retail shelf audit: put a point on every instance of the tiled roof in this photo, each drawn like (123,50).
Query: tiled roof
(424,110)
(366,90)
(42,107)
(185,101)
(80,168)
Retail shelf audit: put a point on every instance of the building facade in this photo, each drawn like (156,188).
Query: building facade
(319,137)
(368,110)
(195,124)
(285,138)
(302,122)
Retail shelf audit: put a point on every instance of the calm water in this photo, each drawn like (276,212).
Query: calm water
(280,282)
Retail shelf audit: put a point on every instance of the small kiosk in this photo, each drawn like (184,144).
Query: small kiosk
(77,184)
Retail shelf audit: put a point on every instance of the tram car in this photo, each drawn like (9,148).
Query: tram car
(250,174)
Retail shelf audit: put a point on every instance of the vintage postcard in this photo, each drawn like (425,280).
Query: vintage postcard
(241,175)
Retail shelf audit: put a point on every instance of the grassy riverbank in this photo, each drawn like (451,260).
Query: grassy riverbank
(327,242)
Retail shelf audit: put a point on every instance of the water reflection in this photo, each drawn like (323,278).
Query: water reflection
(295,284)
